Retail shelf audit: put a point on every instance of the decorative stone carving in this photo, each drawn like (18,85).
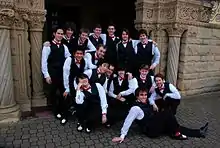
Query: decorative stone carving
(6,17)
(215,15)
(37,21)
(176,30)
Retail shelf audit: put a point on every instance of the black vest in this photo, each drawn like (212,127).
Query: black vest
(75,71)
(109,82)
(117,87)
(126,55)
(56,60)
(144,55)
(111,52)
(94,41)
(166,90)
(95,79)
(92,97)
(68,43)
(100,61)
(74,45)
(147,84)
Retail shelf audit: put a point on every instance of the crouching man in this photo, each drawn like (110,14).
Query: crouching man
(91,104)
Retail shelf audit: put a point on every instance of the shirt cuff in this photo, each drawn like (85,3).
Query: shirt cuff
(154,64)
(122,136)
(122,93)
(104,111)
(46,75)
(67,90)
(114,96)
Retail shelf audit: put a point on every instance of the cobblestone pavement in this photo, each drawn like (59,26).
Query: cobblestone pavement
(47,132)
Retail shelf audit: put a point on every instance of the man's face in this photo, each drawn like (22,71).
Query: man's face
(143,72)
(69,32)
(142,96)
(59,35)
(103,69)
(121,73)
(84,82)
(83,36)
(143,37)
(110,70)
(159,82)
(97,31)
(101,52)
(111,30)
(124,36)
(78,55)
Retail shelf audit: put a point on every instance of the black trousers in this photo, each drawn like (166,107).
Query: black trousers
(57,100)
(168,103)
(89,114)
(165,123)
(118,110)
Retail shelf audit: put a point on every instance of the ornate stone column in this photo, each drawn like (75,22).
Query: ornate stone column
(173,53)
(36,28)
(9,110)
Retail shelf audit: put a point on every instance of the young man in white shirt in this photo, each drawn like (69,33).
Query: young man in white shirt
(52,61)
(154,124)
(91,104)
(165,95)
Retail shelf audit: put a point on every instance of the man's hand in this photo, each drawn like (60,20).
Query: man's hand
(48,80)
(118,96)
(122,99)
(118,139)
(79,86)
(155,108)
(155,43)
(130,76)
(152,66)
(165,96)
(65,94)
(104,118)
(47,44)
(152,89)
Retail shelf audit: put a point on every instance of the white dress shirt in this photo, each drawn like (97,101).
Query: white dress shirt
(80,97)
(88,56)
(135,113)
(45,54)
(174,94)
(132,85)
(155,51)
(66,71)
(89,74)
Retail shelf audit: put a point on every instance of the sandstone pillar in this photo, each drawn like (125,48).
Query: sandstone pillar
(173,54)
(36,29)
(9,110)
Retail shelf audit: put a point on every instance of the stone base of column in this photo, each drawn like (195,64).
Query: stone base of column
(9,114)
(39,101)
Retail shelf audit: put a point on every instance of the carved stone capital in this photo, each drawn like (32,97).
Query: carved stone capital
(176,30)
(37,21)
(6,17)
(215,13)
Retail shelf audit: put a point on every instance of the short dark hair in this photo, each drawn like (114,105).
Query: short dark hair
(79,49)
(54,29)
(159,75)
(125,30)
(144,66)
(69,26)
(140,89)
(84,30)
(100,45)
(81,76)
(97,26)
(111,24)
(142,31)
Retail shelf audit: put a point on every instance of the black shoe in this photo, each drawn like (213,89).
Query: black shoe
(203,130)
(180,137)
(63,121)
(79,127)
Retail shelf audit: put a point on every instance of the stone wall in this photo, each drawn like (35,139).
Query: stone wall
(199,66)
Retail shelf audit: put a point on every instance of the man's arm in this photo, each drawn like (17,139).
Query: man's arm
(45,54)
(175,93)
(79,96)
(66,73)
(88,73)
(156,53)
(111,91)
(67,53)
(102,96)
(132,84)
(88,60)
(90,46)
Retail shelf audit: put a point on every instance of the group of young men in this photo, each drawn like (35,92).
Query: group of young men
(110,79)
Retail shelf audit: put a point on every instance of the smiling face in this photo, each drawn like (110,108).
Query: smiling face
(97,31)
(143,37)
(58,35)
(142,97)
(101,52)
(121,73)
(159,82)
(124,36)
(83,36)
(79,55)
(69,32)
(111,30)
